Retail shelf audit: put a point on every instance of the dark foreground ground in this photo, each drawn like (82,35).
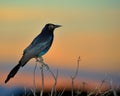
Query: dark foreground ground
(68,93)
(29,92)
(20,91)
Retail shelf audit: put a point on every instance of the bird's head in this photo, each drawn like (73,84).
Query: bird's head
(51,27)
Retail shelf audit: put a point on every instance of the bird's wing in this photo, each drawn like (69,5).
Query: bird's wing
(32,52)
(35,41)
(37,46)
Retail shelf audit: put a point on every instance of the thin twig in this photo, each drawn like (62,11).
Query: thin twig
(34,79)
(40,60)
(112,88)
(55,78)
(60,94)
(42,75)
(100,87)
(74,76)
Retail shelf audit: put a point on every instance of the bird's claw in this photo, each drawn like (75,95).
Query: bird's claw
(40,59)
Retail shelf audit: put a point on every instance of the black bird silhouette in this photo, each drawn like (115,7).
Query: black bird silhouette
(39,46)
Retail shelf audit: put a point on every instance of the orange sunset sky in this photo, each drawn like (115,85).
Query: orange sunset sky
(90,29)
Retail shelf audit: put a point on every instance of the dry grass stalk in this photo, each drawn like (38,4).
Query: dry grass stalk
(34,91)
(40,60)
(75,75)
(55,83)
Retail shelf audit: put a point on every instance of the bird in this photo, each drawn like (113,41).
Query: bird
(37,48)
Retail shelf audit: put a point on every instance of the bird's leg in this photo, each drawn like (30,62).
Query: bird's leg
(39,59)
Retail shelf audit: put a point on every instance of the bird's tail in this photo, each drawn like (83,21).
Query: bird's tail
(21,63)
(13,72)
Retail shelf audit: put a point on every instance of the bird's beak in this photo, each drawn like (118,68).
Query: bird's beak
(56,26)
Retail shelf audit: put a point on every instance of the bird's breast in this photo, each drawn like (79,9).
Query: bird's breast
(48,45)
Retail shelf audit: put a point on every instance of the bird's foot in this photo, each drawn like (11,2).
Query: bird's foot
(39,59)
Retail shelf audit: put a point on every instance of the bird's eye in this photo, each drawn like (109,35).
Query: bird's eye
(51,27)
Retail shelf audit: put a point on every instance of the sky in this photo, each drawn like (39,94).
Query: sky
(90,29)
